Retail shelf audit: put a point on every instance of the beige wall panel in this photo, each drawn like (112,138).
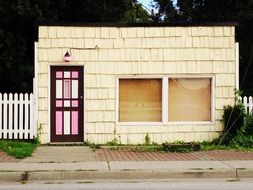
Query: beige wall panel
(79,32)
(61,32)
(103,43)
(43,104)
(220,102)
(218,31)
(183,128)
(44,129)
(95,105)
(43,68)
(92,81)
(109,127)
(131,32)
(90,128)
(223,67)
(43,80)
(44,138)
(140,32)
(118,43)
(99,116)
(43,54)
(43,117)
(224,92)
(159,43)
(219,126)
(132,42)
(42,92)
(56,54)
(213,135)
(89,43)
(232,29)
(52,32)
(188,42)
(78,43)
(202,128)
(218,114)
(114,32)
(225,80)
(227,31)
(89,32)
(43,32)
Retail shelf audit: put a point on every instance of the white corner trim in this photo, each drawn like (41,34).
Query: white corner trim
(35,88)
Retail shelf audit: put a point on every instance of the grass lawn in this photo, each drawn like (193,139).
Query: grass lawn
(18,149)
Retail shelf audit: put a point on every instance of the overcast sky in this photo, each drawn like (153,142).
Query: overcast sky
(147,3)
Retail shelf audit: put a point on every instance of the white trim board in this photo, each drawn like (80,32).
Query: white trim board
(165,119)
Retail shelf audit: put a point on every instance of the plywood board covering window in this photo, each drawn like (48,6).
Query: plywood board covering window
(140,100)
(189,99)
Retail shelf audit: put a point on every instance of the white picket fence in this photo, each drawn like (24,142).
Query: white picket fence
(248,103)
(17,116)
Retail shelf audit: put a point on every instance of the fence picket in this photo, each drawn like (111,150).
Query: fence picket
(245,103)
(5,115)
(31,118)
(250,104)
(1,119)
(10,115)
(15,111)
(26,112)
(21,103)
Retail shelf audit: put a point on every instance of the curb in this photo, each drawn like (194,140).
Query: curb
(244,173)
(29,176)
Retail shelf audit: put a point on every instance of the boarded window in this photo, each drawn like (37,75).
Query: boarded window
(140,100)
(190,99)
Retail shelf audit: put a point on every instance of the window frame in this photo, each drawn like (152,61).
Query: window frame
(165,95)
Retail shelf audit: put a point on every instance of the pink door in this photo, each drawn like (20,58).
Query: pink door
(66,104)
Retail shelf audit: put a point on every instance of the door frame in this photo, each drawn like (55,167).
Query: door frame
(49,139)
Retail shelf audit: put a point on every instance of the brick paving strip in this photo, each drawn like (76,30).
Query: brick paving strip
(106,154)
(6,158)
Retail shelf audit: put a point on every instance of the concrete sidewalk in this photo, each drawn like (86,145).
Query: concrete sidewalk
(53,163)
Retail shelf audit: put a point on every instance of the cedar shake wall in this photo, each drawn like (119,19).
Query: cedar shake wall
(137,51)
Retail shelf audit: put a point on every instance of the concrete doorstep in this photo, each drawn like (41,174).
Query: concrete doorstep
(131,170)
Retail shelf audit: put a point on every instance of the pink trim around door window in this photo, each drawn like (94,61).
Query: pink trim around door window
(74,74)
(58,120)
(74,123)
(74,103)
(58,103)
(58,74)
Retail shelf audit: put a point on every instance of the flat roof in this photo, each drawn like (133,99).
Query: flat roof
(78,24)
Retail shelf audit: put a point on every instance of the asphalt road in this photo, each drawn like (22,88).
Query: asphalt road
(182,185)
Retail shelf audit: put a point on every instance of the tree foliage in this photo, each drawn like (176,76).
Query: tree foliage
(17,30)
(187,11)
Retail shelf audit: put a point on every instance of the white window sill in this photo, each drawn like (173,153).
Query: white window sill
(165,124)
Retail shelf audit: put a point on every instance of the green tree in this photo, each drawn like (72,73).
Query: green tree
(137,14)
(164,11)
(18,19)
(187,11)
